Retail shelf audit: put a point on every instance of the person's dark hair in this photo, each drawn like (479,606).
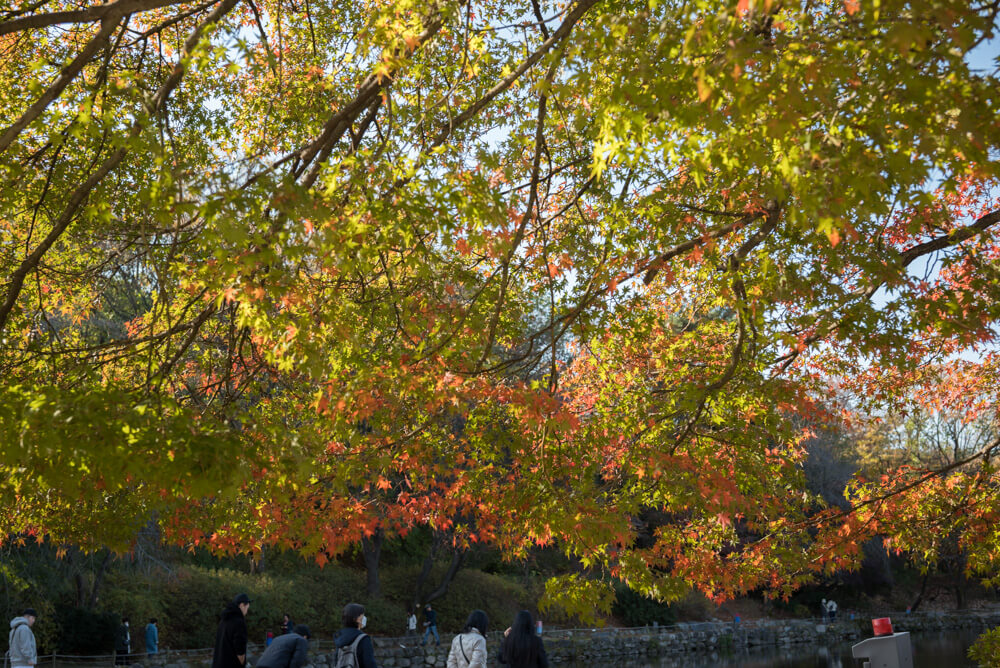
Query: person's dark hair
(521,643)
(287,616)
(302,630)
(477,620)
(152,620)
(351,613)
(124,620)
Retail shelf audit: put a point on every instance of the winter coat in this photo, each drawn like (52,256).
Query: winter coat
(152,638)
(22,643)
(123,640)
(230,639)
(507,655)
(366,650)
(286,651)
(468,650)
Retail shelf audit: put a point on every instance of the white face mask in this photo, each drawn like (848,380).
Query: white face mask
(363,622)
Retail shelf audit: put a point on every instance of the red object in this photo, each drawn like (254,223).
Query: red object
(882,626)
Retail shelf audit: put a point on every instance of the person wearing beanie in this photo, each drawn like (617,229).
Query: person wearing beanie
(23,651)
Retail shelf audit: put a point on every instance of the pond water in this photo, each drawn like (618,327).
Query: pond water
(930,650)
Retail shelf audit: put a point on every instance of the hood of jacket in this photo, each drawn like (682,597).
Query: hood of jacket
(231,611)
(18,621)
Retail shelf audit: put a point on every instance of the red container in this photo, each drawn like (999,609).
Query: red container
(882,626)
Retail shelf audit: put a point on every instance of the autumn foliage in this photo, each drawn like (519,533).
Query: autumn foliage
(294,272)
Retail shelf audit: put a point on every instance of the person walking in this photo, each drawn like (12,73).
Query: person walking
(123,644)
(289,650)
(23,652)
(351,642)
(831,609)
(152,637)
(520,647)
(430,621)
(411,624)
(231,636)
(468,648)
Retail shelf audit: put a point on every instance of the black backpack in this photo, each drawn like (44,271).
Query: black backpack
(347,656)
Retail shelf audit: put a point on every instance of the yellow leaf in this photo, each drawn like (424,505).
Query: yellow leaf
(704,90)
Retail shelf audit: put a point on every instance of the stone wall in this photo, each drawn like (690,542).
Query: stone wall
(612,646)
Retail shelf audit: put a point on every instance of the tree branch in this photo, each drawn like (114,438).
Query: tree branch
(66,76)
(88,15)
(80,195)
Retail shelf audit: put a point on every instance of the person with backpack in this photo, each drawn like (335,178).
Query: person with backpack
(354,648)
(468,648)
(520,647)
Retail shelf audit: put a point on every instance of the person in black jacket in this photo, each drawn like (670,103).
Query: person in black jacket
(123,644)
(231,637)
(289,650)
(520,647)
(354,620)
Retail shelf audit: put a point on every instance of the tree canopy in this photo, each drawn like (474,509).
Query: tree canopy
(290,272)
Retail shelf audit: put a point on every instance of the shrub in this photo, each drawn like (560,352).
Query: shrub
(695,606)
(499,597)
(634,609)
(86,632)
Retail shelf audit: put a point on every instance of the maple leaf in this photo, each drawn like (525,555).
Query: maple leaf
(704,89)
(412,40)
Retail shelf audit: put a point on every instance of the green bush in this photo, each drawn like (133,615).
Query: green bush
(634,609)
(86,632)
(195,599)
(499,597)
(986,650)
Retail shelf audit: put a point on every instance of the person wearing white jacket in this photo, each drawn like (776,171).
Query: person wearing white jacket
(468,648)
(23,653)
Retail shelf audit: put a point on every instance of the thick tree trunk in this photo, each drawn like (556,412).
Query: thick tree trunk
(99,579)
(86,596)
(457,558)
(425,571)
(371,548)
(920,596)
(257,564)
